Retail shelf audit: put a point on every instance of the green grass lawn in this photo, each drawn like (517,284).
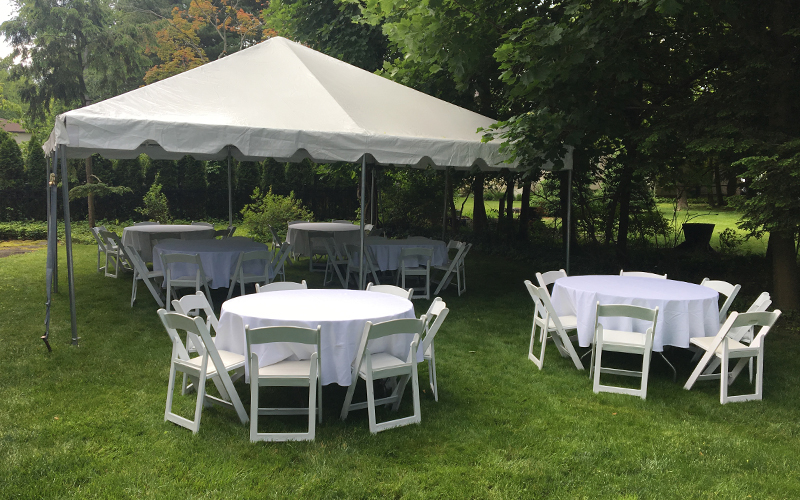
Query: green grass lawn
(722,218)
(87,421)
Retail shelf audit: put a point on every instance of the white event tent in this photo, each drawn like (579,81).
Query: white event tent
(279,100)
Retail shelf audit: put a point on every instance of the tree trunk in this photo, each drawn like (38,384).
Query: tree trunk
(718,184)
(90,198)
(625,207)
(478,209)
(683,201)
(525,210)
(784,270)
(510,200)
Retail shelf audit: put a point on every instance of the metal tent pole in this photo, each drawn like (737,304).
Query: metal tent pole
(361,284)
(68,238)
(569,216)
(230,191)
(52,242)
(444,209)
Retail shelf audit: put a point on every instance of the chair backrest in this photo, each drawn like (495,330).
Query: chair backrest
(331,248)
(273,334)
(263,255)
(542,306)
(101,243)
(352,250)
(276,240)
(642,274)
(550,277)
(434,318)
(414,253)
(296,222)
(368,228)
(167,259)
(726,289)
(386,329)
(137,262)
(467,248)
(281,285)
(281,254)
(113,239)
(627,311)
(390,289)
(197,302)
(206,224)
(194,328)
(231,230)
(764,319)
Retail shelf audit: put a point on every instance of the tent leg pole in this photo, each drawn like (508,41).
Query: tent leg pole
(373,210)
(52,242)
(444,208)
(569,216)
(361,284)
(68,238)
(230,191)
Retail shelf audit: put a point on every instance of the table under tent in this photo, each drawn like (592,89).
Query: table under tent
(278,100)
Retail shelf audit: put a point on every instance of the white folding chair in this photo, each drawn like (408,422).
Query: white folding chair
(299,373)
(276,240)
(210,363)
(606,339)
(726,289)
(354,263)
(281,285)
(725,348)
(241,277)
(231,230)
(101,246)
(550,277)
(371,366)
(335,260)
(437,312)
(461,275)
(282,254)
(142,273)
(451,269)
(550,325)
(193,305)
(196,280)
(390,289)
(116,252)
(642,274)
(410,267)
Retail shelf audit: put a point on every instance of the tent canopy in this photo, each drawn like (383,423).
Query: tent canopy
(280,100)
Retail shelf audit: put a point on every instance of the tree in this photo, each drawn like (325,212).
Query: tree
(72,51)
(205,31)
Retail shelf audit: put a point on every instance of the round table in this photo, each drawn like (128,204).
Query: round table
(139,237)
(300,235)
(685,310)
(387,252)
(219,257)
(342,315)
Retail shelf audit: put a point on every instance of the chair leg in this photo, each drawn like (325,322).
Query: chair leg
(373,424)
(133,289)
(253,405)
(348,399)
(432,376)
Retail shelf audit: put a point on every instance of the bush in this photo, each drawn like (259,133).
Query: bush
(730,240)
(156,207)
(272,210)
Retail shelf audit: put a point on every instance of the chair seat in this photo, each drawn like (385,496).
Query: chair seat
(382,361)
(706,342)
(568,322)
(626,339)
(291,369)
(231,361)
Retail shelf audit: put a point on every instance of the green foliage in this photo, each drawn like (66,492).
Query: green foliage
(411,200)
(155,206)
(98,189)
(274,210)
(11,163)
(730,240)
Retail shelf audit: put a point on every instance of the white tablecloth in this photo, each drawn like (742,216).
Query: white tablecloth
(387,252)
(139,237)
(218,256)
(300,234)
(341,313)
(685,310)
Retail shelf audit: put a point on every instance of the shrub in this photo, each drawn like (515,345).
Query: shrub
(730,240)
(274,210)
(155,207)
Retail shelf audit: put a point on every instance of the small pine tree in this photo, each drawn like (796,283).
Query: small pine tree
(155,205)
